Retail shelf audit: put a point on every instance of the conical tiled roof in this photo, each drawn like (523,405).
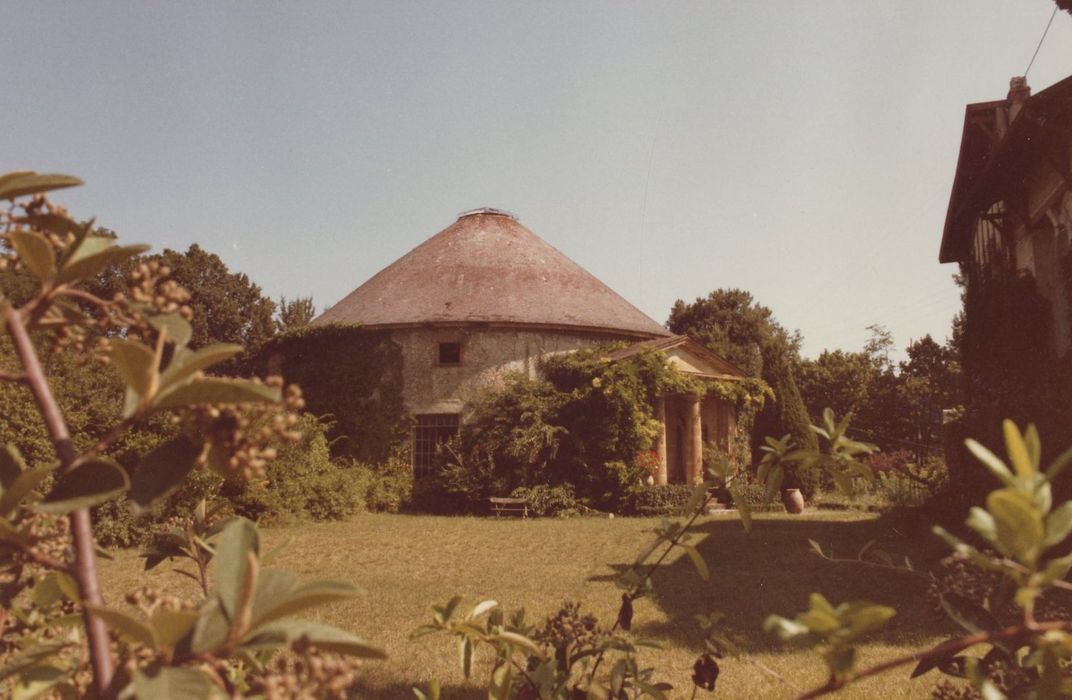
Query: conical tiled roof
(486,267)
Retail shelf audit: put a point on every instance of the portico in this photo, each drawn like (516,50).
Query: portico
(689,421)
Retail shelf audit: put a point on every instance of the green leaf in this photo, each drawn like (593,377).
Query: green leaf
(93,255)
(169,683)
(520,640)
(211,629)
(983,523)
(1033,445)
(1056,569)
(176,328)
(68,586)
(930,662)
(481,608)
(865,617)
(29,657)
(47,591)
(37,681)
(170,626)
(273,586)
(983,685)
(184,364)
(11,465)
(744,509)
(1058,465)
(785,628)
(696,499)
(24,484)
(131,402)
(161,471)
(968,614)
(820,622)
(24,182)
(697,561)
(324,637)
(136,364)
(465,656)
(773,484)
(1058,524)
(1017,449)
(232,567)
(617,677)
(36,253)
(53,223)
(501,679)
(126,625)
(308,596)
(990,461)
(433,691)
(85,486)
(212,390)
(1019,526)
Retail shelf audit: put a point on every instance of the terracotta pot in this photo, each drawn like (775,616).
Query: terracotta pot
(793,500)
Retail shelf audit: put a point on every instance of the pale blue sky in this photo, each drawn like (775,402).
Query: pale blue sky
(803,151)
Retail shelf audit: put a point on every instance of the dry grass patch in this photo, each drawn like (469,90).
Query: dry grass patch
(406,563)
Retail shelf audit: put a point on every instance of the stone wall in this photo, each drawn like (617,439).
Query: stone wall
(487,355)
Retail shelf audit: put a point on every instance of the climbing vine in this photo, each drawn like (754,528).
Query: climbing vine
(351,376)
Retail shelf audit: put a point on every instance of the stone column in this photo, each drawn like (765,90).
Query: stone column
(694,443)
(660,442)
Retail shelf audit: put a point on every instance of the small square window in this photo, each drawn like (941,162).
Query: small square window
(450,353)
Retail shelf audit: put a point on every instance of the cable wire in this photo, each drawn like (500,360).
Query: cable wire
(1042,39)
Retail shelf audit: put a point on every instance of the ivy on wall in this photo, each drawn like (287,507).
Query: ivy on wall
(352,376)
(1010,367)
(589,422)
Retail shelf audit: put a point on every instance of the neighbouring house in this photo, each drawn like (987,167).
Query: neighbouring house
(486,297)
(1011,204)
(1008,226)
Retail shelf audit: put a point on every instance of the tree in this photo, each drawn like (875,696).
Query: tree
(293,315)
(931,382)
(731,323)
(837,379)
(227,306)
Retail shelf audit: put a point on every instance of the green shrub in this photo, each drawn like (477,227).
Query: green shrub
(659,499)
(116,525)
(302,482)
(388,485)
(755,495)
(559,501)
(462,485)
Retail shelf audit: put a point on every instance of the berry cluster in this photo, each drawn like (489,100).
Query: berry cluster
(150,599)
(242,437)
(568,632)
(307,674)
(150,290)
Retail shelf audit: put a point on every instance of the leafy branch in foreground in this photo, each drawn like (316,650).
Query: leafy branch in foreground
(1025,536)
(54,615)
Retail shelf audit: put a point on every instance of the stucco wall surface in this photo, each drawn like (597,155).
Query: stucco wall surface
(488,355)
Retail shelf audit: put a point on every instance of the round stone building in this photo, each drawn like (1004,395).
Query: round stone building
(486,297)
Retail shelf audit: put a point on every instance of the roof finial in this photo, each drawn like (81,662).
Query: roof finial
(487,211)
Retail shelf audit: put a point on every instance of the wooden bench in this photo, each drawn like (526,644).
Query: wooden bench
(509,506)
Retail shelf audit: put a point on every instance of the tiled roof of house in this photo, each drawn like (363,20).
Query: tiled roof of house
(991,164)
(488,268)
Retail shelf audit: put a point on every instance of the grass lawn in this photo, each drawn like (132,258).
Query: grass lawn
(405,563)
